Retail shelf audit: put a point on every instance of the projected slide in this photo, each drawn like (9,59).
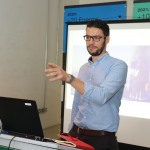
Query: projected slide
(133,46)
(130,42)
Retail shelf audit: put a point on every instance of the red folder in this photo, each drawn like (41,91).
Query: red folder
(78,143)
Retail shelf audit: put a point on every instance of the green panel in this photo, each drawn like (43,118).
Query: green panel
(141,10)
(5,148)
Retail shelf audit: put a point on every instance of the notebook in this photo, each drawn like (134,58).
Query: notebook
(20,118)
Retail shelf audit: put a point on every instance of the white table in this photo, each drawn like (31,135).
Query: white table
(28,144)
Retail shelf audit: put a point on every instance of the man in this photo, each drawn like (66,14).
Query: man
(99,88)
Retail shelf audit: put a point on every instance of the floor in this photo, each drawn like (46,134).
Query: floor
(52,132)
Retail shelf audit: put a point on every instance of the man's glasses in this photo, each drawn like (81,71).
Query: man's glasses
(94,38)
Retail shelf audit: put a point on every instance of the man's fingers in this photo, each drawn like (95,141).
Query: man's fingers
(55,77)
(54,72)
(52,65)
(48,73)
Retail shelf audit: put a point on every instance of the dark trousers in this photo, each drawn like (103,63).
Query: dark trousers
(104,142)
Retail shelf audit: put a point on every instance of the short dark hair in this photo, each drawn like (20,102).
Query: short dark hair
(97,23)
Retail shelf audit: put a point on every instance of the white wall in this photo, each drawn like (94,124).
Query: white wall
(29,28)
(22,37)
(53,90)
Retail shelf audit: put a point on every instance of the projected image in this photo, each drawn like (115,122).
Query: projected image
(137,87)
(138,83)
(136,96)
(125,44)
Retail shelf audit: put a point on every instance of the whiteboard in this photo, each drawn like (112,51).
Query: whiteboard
(23,35)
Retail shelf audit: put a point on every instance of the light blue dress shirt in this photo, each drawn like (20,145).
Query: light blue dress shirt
(98,107)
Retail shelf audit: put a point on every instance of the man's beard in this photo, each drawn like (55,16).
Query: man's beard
(98,52)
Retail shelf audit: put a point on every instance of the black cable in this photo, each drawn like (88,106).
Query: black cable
(10,142)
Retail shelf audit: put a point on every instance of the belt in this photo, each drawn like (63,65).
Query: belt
(91,132)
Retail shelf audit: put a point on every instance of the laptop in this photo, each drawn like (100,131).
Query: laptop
(20,118)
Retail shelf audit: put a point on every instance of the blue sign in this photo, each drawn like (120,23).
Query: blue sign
(84,13)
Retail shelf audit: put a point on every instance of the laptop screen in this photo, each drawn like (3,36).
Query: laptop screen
(20,117)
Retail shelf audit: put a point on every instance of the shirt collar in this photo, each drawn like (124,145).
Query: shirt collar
(99,59)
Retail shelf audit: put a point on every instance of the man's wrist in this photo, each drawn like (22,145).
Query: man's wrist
(71,79)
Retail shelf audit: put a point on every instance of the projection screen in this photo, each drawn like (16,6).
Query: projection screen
(129,41)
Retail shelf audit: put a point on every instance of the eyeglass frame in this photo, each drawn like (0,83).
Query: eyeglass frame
(99,37)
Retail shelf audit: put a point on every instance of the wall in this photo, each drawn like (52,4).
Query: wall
(25,25)
(53,90)
(24,28)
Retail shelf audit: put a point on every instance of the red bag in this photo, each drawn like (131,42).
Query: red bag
(78,143)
